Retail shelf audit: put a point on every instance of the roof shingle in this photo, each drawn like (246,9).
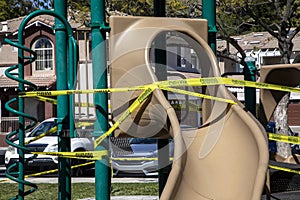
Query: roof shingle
(6,82)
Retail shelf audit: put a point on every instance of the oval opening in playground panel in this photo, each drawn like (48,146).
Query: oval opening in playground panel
(175,55)
(179,51)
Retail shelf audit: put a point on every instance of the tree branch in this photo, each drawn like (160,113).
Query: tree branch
(231,57)
(259,21)
(288,10)
(277,8)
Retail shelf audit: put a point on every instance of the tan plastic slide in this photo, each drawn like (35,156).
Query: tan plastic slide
(225,158)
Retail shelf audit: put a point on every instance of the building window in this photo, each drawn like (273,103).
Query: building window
(44,50)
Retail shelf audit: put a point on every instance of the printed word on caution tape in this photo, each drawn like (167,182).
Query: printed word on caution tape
(284,138)
(88,155)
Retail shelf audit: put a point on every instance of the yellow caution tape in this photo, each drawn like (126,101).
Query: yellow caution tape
(50,171)
(56,170)
(190,82)
(284,169)
(83,124)
(67,92)
(224,81)
(287,139)
(131,108)
(168,84)
(52,130)
(89,155)
(46,99)
(197,94)
(260,85)
(284,138)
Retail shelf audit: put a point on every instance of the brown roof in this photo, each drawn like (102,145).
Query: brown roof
(296,42)
(13,24)
(37,80)
(255,41)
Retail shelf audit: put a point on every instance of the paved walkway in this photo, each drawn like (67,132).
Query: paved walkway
(134,198)
(88,180)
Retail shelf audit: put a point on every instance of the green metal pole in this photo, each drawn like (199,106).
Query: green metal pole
(250,93)
(64,166)
(209,13)
(102,170)
(161,73)
(21,123)
(159,8)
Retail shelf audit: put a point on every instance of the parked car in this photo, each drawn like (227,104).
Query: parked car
(136,155)
(48,143)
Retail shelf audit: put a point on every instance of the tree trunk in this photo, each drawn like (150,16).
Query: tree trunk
(285,48)
(280,116)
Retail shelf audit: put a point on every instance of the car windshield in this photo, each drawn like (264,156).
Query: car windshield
(42,128)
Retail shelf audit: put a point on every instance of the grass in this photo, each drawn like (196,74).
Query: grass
(79,190)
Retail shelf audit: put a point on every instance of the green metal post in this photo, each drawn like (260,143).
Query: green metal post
(64,166)
(159,8)
(209,13)
(102,170)
(161,73)
(21,123)
(250,93)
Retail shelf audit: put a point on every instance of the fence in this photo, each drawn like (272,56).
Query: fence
(8,124)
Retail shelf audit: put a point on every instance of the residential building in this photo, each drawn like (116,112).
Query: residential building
(39,36)
(264,49)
